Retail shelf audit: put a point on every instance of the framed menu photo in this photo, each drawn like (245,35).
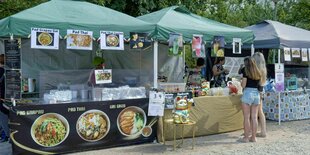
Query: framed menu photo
(43,38)
(103,76)
(111,40)
(79,39)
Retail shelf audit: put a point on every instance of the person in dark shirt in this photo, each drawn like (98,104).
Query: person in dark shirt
(250,98)
(219,73)
(3,112)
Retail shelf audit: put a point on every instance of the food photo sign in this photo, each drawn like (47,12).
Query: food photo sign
(103,76)
(72,127)
(237,45)
(295,52)
(110,40)
(139,40)
(43,38)
(79,39)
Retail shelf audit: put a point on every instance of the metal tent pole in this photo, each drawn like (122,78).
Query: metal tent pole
(155,63)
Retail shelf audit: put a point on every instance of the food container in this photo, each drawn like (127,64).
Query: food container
(84,94)
(97,94)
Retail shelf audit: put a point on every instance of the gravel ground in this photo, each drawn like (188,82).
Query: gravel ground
(289,138)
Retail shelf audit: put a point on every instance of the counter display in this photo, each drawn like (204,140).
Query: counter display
(213,114)
(70,127)
(294,105)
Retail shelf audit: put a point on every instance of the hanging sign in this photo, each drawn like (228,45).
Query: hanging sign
(304,54)
(287,54)
(175,44)
(42,38)
(139,40)
(110,40)
(279,77)
(79,39)
(103,76)
(156,103)
(237,45)
(198,47)
(218,46)
(295,52)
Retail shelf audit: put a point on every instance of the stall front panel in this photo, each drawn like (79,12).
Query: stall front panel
(70,127)
(213,114)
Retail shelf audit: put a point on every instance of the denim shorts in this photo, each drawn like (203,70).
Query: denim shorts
(250,96)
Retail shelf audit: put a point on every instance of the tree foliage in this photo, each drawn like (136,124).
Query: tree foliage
(239,13)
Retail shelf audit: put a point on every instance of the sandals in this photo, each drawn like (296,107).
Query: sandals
(243,140)
(261,135)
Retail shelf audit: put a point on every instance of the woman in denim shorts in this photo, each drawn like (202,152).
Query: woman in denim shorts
(250,98)
(261,64)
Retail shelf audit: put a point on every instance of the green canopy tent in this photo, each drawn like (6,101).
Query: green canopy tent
(68,14)
(180,20)
(77,15)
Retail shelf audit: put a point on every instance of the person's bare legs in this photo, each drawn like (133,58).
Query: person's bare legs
(246,121)
(262,120)
(254,113)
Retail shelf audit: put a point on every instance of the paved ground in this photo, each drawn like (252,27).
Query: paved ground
(290,138)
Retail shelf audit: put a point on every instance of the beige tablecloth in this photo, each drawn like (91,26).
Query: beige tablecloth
(213,114)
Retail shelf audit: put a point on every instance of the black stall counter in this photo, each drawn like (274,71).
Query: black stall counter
(72,127)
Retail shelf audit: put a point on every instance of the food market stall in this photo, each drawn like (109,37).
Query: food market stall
(58,112)
(286,49)
(176,22)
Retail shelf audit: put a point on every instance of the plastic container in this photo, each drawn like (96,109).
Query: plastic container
(172,87)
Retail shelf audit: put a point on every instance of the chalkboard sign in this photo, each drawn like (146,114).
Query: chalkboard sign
(12,54)
(12,84)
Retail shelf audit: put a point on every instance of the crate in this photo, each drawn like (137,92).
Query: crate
(172,87)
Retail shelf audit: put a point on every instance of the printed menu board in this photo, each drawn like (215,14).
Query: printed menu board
(12,84)
(12,54)
(80,126)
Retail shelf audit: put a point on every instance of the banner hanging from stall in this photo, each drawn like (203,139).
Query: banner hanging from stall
(139,40)
(110,40)
(43,38)
(218,46)
(103,76)
(71,127)
(175,44)
(237,45)
(304,54)
(287,54)
(198,46)
(79,39)
(279,77)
